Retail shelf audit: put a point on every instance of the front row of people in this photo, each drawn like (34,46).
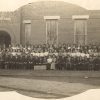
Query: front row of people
(51,62)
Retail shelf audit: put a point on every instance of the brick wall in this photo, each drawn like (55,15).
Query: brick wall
(36,11)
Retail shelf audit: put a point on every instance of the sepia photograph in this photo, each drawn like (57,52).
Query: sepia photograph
(49,50)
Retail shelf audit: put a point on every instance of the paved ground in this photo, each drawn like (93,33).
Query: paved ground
(48,84)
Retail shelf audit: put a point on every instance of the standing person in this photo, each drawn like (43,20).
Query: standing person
(91,63)
(23,61)
(31,62)
(68,62)
(3,58)
(17,62)
(13,62)
(26,61)
(53,62)
(0,58)
(6,61)
(58,63)
(62,63)
(49,61)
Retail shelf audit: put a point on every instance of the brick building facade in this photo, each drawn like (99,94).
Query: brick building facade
(30,18)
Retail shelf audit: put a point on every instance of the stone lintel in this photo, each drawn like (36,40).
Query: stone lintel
(79,17)
(27,21)
(51,17)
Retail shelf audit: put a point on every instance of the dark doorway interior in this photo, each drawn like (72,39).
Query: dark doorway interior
(5,39)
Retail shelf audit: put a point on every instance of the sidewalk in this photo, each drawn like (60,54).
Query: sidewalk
(60,89)
(49,73)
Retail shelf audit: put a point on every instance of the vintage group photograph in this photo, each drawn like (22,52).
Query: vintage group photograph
(50,50)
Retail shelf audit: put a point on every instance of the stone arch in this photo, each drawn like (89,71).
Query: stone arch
(10,32)
(5,39)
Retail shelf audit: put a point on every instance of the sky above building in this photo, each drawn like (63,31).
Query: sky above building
(11,5)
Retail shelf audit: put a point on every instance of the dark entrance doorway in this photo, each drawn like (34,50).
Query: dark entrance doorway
(5,39)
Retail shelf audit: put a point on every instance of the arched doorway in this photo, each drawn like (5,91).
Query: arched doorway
(5,39)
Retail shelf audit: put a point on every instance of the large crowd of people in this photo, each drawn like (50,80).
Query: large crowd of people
(61,57)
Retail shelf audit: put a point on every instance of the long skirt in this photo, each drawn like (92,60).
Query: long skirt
(53,65)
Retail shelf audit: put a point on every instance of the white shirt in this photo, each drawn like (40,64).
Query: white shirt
(46,54)
(87,55)
(41,55)
(13,53)
(33,53)
(49,60)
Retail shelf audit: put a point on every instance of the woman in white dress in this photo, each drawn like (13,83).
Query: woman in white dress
(53,62)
